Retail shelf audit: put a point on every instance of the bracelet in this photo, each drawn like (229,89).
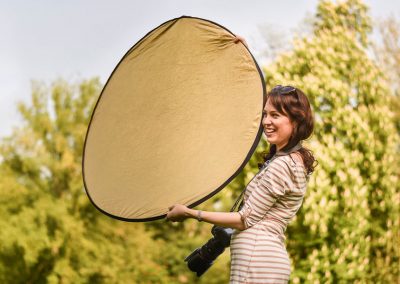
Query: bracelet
(199,216)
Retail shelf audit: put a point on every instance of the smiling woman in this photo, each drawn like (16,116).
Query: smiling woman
(272,198)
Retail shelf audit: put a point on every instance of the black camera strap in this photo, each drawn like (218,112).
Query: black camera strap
(264,166)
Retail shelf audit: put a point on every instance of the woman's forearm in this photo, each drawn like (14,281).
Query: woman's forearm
(225,219)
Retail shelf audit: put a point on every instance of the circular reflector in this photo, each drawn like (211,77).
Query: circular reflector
(178,119)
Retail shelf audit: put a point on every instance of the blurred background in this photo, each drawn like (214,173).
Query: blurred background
(56,56)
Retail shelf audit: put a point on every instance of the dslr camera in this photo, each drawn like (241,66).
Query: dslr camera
(202,258)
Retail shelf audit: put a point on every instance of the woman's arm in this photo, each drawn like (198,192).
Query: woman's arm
(178,213)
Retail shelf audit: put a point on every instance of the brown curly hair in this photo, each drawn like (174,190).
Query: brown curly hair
(294,104)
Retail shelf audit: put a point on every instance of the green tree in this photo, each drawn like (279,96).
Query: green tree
(388,56)
(50,233)
(347,230)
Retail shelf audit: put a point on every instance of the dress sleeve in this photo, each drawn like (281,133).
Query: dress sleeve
(272,185)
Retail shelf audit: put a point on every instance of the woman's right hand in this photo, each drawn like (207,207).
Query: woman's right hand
(177,213)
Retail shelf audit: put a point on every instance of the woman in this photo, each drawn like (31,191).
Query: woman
(272,198)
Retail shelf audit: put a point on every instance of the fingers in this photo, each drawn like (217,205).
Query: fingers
(241,39)
(175,213)
(168,217)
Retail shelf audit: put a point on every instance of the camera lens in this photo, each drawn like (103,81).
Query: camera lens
(202,258)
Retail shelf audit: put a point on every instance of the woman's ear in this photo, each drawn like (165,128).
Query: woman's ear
(294,129)
(294,125)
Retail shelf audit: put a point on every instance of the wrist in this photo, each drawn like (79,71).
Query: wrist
(199,216)
(191,213)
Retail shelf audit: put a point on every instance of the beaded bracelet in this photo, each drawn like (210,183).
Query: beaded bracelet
(199,216)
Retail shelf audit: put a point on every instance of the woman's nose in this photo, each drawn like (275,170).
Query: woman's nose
(266,121)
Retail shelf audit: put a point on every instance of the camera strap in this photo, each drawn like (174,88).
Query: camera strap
(264,166)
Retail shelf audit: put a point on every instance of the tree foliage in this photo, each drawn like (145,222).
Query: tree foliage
(50,233)
(348,228)
(388,57)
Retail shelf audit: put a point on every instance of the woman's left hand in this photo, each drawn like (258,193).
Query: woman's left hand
(240,39)
(177,213)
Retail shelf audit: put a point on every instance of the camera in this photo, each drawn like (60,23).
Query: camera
(202,258)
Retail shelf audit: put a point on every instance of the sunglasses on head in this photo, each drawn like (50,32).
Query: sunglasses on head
(284,90)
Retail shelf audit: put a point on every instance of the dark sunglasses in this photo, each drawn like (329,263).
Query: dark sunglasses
(284,90)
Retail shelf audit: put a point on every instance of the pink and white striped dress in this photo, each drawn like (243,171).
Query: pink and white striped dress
(271,200)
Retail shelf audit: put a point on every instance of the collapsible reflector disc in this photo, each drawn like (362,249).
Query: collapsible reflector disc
(178,119)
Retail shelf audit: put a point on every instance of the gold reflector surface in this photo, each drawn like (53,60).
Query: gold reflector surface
(178,119)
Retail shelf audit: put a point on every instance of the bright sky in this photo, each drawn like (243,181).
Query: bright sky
(73,39)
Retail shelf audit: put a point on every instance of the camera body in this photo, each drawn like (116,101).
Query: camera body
(202,258)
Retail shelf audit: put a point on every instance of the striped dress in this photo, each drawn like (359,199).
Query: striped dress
(271,200)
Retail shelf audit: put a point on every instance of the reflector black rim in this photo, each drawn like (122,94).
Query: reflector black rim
(237,172)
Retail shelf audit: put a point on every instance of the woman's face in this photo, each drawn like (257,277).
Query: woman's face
(277,127)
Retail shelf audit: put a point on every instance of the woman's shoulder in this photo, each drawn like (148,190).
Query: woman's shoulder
(292,171)
(297,159)
(292,163)
(280,164)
